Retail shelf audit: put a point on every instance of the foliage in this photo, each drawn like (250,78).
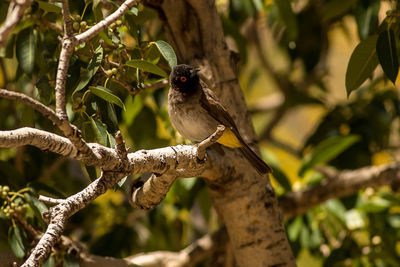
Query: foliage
(109,88)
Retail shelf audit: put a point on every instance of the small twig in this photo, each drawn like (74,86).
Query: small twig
(68,30)
(50,200)
(35,233)
(46,111)
(120,148)
(15,13)
(156,86)
(57,28)
(212,139)
(93,31)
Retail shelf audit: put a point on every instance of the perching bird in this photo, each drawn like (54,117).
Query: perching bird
(196,112)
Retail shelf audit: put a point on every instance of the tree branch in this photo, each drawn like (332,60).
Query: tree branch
(93,31)
(15,12)
(344,183)
(46,111)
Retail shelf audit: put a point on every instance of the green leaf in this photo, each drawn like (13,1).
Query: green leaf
(336,207)
(92,68)
(98,14)
(107,95)
(70,261)
(374,205)
(99,131)
(327,150)
(16,241)
(167,52)
(387,54)
(146,66)
(363,62)
(49,7)
(288,17)
(44,89)
(26,49)
(49,262)
(37,206)
(133,107)
(294,229)
(336,9)
(91,171)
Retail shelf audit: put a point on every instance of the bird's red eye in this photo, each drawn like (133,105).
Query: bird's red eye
(183,79)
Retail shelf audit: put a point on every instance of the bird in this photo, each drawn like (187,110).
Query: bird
(196,112)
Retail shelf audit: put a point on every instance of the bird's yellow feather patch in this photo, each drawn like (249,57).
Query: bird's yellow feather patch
(229,139)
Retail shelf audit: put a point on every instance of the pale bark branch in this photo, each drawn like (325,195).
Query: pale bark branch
(46,111)
(68,30)
(211,140)
(344,183)
(15,12)
(93,31)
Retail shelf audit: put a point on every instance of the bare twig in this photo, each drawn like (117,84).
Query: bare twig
(120,146)
(50,200)
(15,13)
(46,111)
(212,139)
(68,31)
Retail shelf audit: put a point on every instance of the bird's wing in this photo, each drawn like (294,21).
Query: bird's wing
(210,102)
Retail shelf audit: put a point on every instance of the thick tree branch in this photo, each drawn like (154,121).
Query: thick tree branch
(15,12)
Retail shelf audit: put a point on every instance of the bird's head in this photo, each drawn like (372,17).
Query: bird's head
(184,78)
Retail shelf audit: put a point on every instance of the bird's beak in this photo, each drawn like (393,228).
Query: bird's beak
(194,72)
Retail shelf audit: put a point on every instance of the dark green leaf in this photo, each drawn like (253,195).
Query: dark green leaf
(26,49)
(44,89)
(99,131)
(98,14)
(16,241)
(107,95)
(288,17)
(281,178)
(146,66)
(367,18)
(49,7)
(91,171)
(8,51)
(327,150)
(167,52)
(92,68)
(363,62)
(387,54)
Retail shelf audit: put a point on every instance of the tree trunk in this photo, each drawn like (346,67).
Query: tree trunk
(245,201)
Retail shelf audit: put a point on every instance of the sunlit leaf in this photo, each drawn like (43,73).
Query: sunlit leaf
(107,95)
(26,49)
(294,228)
(167,52)
(363,62)
(387,54)
(133,107)
(146,66)
(327,150)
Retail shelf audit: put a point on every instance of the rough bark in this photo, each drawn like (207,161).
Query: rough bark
(245,201)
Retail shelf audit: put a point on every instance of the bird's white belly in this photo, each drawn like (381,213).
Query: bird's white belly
(195,125)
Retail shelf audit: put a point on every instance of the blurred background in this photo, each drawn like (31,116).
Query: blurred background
(307,109)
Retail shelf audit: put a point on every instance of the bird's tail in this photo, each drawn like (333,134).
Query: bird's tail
(255,160)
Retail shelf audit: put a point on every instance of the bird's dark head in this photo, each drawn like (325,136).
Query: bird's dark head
(184,78)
